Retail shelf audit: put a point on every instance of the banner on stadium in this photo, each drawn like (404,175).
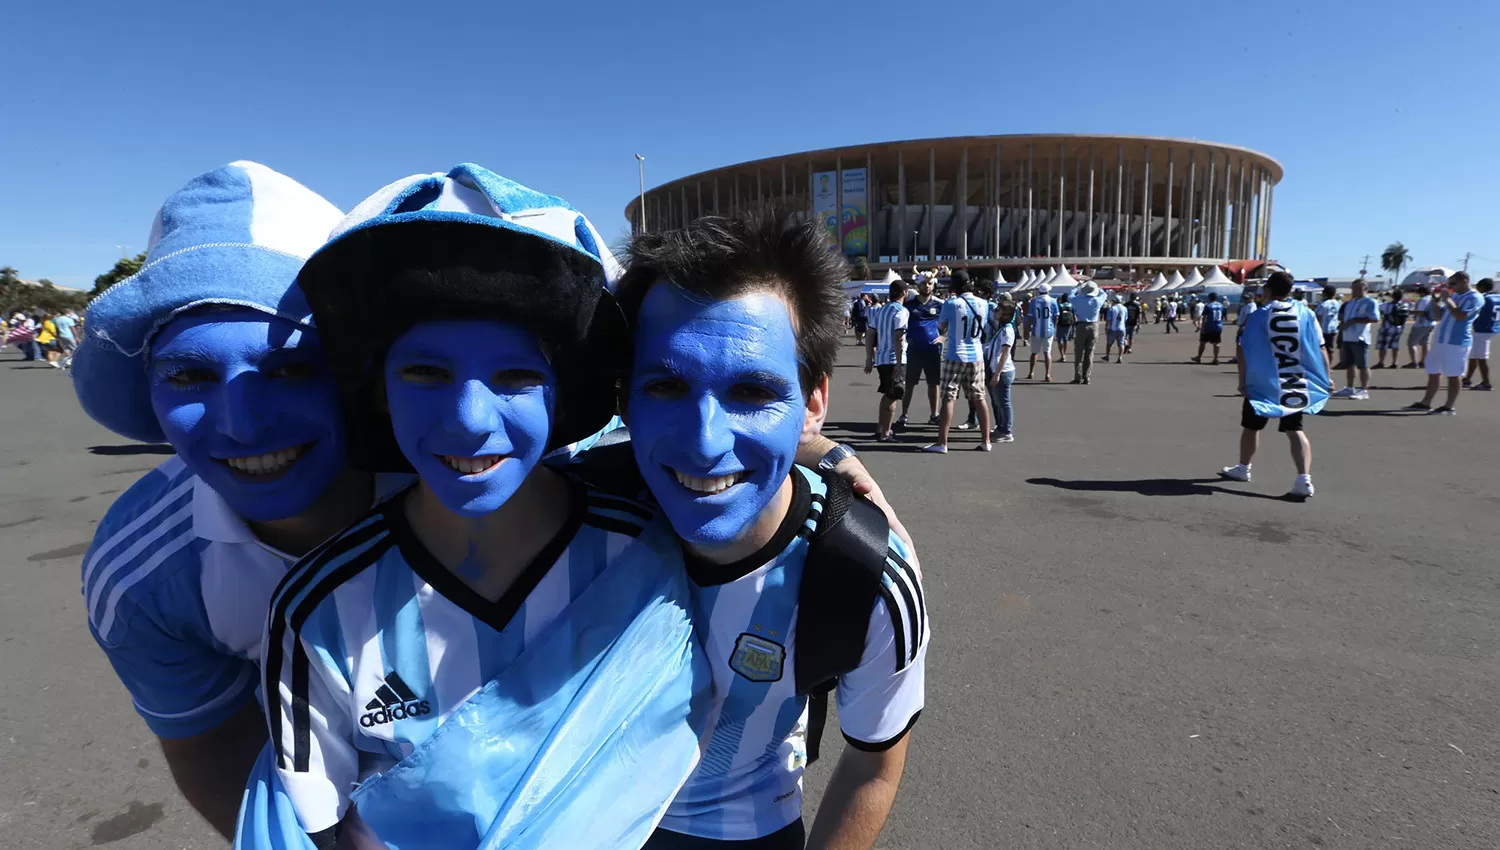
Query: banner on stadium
(854,222)
(825,198)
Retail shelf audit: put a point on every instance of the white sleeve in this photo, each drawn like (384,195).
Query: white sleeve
(880,700)
(311,726)
(901,319)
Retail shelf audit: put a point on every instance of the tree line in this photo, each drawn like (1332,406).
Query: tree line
(44,296)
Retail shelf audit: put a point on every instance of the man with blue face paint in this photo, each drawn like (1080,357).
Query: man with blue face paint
(210,347)
(485,659)
(737,329)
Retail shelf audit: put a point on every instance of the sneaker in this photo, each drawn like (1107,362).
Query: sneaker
(1485,387)
(1464,382)
(982,447)
(932,421)
(886,438)
(1412,366)
(1377,366)
(936,449)
(964,426)
(1196,359)
(1238,472)
(1417,405)
(1346,392)
(1303,489)
(1085,381)
(1215,363)
(1076,381)
(1119,360)
(900,424)
(1005,438)
(1442,411)
(1361,395)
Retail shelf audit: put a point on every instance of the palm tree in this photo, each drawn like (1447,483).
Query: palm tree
(1393,259)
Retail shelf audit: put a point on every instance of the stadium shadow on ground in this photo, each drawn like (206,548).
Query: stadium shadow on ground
(1325,412)
(133,449)
(1153,487)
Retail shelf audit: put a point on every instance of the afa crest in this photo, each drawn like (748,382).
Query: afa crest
(758,659)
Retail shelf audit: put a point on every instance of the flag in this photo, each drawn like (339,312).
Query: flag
(1285,372)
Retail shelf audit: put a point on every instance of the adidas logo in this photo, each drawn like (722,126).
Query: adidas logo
(393,701)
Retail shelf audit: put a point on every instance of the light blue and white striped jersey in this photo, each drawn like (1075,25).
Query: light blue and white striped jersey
(1114,318)
(1328,315)
(1041,316)
(885,321)
(1361,308)
(1488,320)
(1451,331)
(964,315)
(749,783)
(176,587)
(1422,312)
(372,643)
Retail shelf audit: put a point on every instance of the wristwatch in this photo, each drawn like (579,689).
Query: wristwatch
(836,455)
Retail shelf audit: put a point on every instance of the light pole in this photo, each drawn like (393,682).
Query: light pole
(641,162)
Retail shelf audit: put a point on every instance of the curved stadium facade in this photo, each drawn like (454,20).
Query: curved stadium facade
(1006,201)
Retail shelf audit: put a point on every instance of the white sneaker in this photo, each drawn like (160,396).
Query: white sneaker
(1360,395)
(1005,438)
(1303,489)
(936,449)
(1346,392)
(1238,472)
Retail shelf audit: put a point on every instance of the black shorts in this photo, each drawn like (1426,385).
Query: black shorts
(1215,337)
(1331,341)
(890,381)
(919,363)
(790,837)
(1254,422)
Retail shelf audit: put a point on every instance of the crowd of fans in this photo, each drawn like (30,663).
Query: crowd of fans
(44,337)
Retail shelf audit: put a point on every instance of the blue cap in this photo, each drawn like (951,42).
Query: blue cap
(235,236)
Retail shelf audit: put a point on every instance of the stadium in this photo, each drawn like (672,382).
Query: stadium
(1009,202)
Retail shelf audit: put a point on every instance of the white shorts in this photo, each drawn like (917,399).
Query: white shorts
(1480,350)
(1041,345)
(1448,360)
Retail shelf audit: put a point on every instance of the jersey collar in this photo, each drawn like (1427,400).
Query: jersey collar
(705,573)
(213,520)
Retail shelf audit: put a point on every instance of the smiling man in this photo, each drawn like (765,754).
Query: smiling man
(210,347)
(736,333)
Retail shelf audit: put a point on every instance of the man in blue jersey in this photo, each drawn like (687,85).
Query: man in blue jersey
(924,354)
(524,615)
(1211,328)
(1041,327)
(1283,371)
(1459,306)
(210,347)
(1486,323)
(961,326)
(737,325)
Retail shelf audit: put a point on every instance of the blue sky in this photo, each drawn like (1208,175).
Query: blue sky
(1386,114)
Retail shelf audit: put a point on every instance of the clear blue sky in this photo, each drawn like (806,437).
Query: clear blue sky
(1386,114)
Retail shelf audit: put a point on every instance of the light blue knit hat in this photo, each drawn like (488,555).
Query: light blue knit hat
(235,236)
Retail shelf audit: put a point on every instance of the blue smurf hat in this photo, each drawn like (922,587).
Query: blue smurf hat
(234,236)
(466,244)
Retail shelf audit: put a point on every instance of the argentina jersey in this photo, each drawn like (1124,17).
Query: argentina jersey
(372,643)
(1451,331)
(749,783)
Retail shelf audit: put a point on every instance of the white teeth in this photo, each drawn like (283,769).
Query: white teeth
(706,485)
(470,465)
(266,464)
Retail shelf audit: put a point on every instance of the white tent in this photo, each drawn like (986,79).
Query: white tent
(1430,276)
(891,276)
(1176,279)
(1192,280)
(1062,283)
(1216,277)
(1158,282)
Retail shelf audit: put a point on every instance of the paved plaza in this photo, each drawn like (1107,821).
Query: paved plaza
(1127,652)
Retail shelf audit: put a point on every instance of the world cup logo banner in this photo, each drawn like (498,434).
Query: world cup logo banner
(1285,372)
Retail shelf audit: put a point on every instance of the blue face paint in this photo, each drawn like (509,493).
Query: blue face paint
(248,403)
(471,404)
(716,411)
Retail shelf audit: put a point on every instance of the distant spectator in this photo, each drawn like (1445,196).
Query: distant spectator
(1002,373)
(1115,325)
(1211,327)
(924,357)
(1135,313)
(1196,311)
(1086,309)
(1172,316)
(1041,324)
(887,353)
(1486,325)
(1393,315)
(1328,318)
(961,326)
(1065,323)
(1449,353)
(1423,318)
(1360,315)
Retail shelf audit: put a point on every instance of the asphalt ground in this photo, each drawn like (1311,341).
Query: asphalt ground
(1127,652)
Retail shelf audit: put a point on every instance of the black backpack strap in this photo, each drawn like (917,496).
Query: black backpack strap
(841,582)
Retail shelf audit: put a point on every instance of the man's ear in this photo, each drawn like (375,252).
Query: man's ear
(817,409)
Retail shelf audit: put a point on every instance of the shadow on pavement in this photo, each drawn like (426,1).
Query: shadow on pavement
(1153,487)
(1336,413)
(133,449)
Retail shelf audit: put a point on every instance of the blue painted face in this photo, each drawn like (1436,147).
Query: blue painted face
(248,403)
(715,410)
(471,403)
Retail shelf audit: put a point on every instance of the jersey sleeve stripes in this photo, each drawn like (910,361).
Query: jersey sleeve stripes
(888,319)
